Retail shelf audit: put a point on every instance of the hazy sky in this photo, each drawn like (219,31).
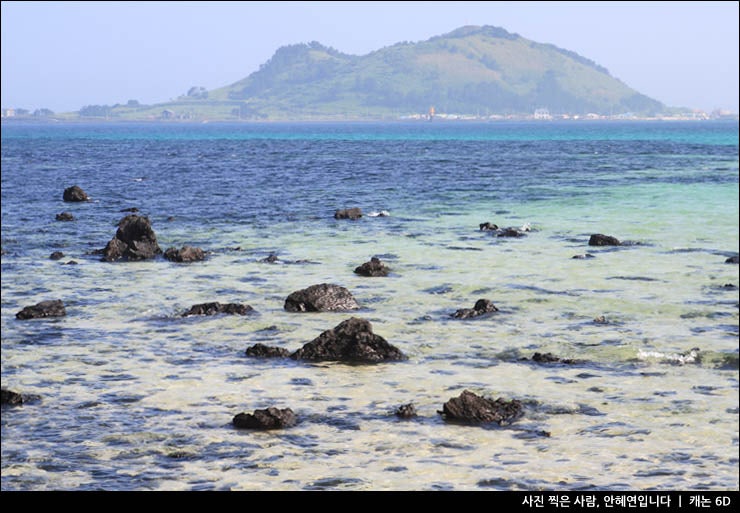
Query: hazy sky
(65,55)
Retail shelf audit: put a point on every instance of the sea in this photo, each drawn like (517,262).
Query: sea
(124,393)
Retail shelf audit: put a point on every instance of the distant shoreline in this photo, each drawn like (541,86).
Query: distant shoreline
(407,120)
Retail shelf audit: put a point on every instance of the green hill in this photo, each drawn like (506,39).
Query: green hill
(479,71)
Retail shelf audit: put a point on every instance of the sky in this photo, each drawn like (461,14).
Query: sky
(64,55)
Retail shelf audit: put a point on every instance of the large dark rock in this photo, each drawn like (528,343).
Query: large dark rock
(598,239)
(185,254)
(348,213)
(74,193)
(134,240)
(733,260)
(50,308)
(471,408)
(372,268)
(269,418)
(482,306)
(321,298)
(9,397)
(216,308)
(352,341)
(262,351)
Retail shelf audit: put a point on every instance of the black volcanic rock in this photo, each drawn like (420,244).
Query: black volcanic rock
(269,418)
(134,240)
(372,268)
(551,358)
(321,298)
(353,341)
(10,398)
(348,213)
(262,351)
(185,254)
(482,306)
(215,308)
(598,239)
(406,411)
(50,308)
(74,194)
(471,408)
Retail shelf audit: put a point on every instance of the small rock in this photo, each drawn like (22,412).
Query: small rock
(56,255)
(215,308)
(74,193)
(510,232)
(599,239)
(372,268)
(50,308)
(406,411)
(9,397)
(551,358)
(184,254)
(262,351)
(348,213)
(471,408)
(323,297)
(269,418)
(65,216)
(482,306)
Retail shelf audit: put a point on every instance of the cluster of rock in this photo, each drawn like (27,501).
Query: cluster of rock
(352,341)
(135,240)
(467,408)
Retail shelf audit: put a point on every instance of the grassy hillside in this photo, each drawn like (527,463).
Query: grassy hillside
(480,71)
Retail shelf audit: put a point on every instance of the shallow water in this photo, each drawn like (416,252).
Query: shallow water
(131,396)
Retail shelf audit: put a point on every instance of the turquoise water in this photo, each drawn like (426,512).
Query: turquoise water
(142,399)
